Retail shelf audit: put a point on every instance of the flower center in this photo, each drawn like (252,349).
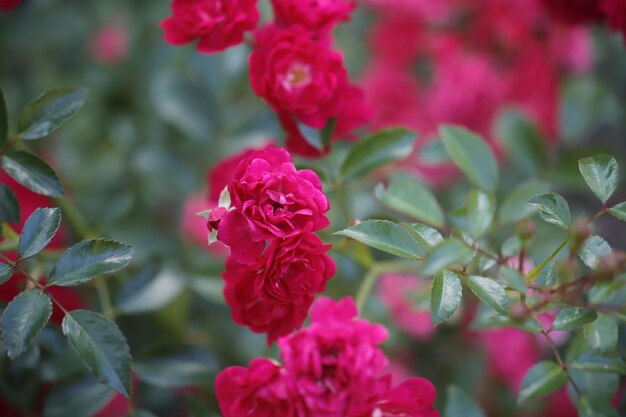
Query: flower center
(298,75)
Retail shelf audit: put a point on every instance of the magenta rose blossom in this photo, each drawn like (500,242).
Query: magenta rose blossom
(271,199)
(333,368)
(257,390)
(297,72)
(615,11)
(315,15)
(273,295)
(216,24)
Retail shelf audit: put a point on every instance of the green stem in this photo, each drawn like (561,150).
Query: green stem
(536,270)
(366,288)
(370,278)
(75,218)
(105,298)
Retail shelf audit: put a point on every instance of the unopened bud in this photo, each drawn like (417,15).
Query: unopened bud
(609,266)
(526,229)
(566,270)
(518,312)
(580,231)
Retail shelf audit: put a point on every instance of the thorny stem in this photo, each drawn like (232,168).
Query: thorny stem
(557,355)
(35,282)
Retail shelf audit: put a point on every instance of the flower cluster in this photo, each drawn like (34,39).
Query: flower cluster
(293,65)
(333,368)
(276,264)
(463,62)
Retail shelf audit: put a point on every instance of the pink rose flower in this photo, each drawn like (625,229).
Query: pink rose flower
(274,294)
(216,24)
(272,200)
(258,390)
(333,368)
(315,15)
(297,72)
(399,294)
(110,43)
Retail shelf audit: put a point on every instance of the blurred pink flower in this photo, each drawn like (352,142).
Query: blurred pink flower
(399,293)
(110,43)
(8,5)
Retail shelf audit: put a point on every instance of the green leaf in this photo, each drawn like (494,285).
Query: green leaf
(472,155)
(601,333)
(601,173)
(619,211)
(592,250)
(542,379)
(445,296)
(409,196)
(33,173)
(598,361)
(589,407)
(514,279)
(426,236)
(514,207)
(386,236)
(570,318)
(5,273)
(9,206)
(149,292)
(83,398)
(189,367)
(4,120)
(88,259)
(481,208)
(489,292)
(446,253)
(553,209)
(459,404)
(102,346)
(23,319)
(49,111)
(38,231)
(379,149)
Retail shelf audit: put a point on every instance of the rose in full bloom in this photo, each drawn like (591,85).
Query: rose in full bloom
(333,368)
(273,295)
(315,15)
(270,199)
(215,24)
(259,390)
(296,71)
(8,5)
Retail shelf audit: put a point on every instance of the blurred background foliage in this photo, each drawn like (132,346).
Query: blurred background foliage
(156,120)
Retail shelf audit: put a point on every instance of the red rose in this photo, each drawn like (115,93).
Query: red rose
(574,11)
(258,390)
(273,295)
(615,11)
(315,15)
(216,24)
(297,72)
(271,199)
